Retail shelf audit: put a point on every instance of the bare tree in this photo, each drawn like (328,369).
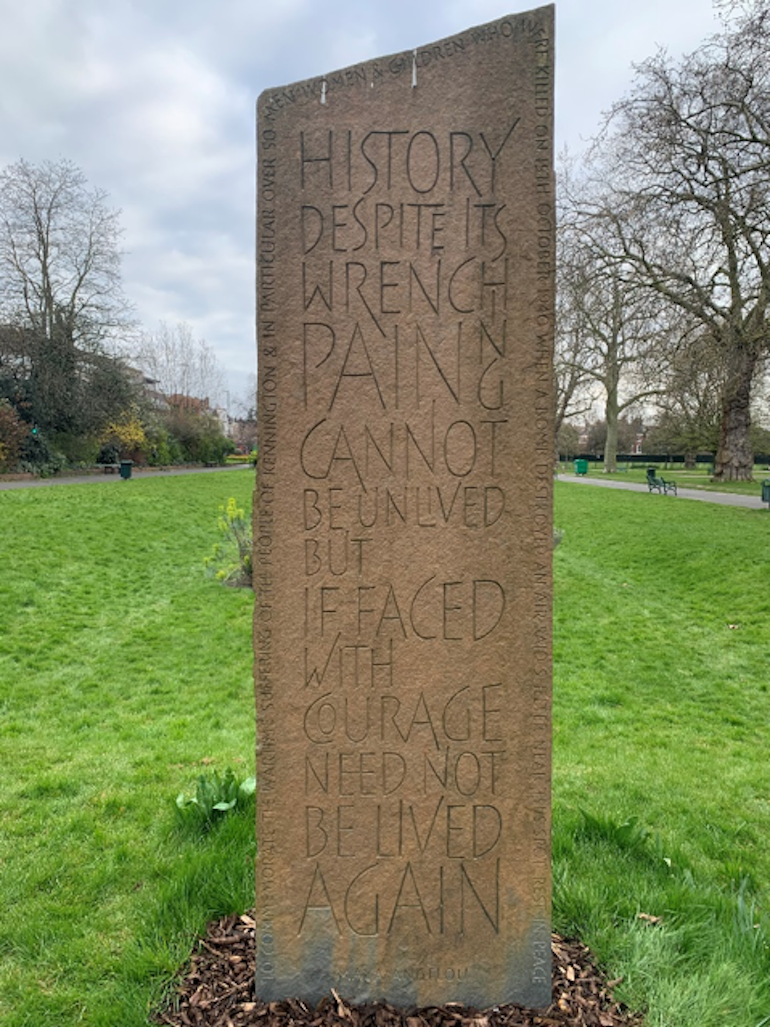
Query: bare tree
(571,357)
(60,255)
(683,179)
(689,411)
(611,331)
(62,307)
(627,432)
(245,403)
(185,368)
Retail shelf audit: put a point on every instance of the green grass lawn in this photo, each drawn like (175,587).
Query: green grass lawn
(125,672)
(662,743)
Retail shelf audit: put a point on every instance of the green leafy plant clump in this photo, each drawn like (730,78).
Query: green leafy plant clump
(215,796)
(230,560)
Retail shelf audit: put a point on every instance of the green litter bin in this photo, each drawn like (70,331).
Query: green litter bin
(766,491)
(125,469)
(581,467)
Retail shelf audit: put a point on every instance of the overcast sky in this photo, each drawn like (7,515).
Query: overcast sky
(154,100)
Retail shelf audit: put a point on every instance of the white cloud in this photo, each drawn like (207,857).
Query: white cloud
(154,100)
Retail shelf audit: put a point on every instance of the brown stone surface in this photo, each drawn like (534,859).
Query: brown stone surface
(403,542)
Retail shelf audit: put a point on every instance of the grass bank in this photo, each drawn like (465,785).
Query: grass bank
(662,729)
(124,673)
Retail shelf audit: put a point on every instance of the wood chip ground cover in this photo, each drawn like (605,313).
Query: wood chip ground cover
(218,991)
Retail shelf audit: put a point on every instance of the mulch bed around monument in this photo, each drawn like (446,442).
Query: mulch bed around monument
(218,991)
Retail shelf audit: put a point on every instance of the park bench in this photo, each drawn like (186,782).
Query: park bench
(657,484)
(111,468)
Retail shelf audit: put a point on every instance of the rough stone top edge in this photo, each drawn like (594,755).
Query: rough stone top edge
(390,65)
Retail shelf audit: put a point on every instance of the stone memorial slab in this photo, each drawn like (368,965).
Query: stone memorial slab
(403,524)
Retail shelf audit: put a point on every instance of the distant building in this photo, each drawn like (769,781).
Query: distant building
(243,432)
(192,404)
(147,385)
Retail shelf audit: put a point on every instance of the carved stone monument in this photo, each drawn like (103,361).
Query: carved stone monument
(403,524)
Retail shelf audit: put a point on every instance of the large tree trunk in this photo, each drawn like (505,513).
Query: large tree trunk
(735,455)
(611,413)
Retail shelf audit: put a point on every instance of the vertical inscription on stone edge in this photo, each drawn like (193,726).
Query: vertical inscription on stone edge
(403,525)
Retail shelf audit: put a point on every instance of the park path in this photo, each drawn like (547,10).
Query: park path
(722,498)
(87,479)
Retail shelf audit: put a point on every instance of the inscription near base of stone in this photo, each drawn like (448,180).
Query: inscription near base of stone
(403,524)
